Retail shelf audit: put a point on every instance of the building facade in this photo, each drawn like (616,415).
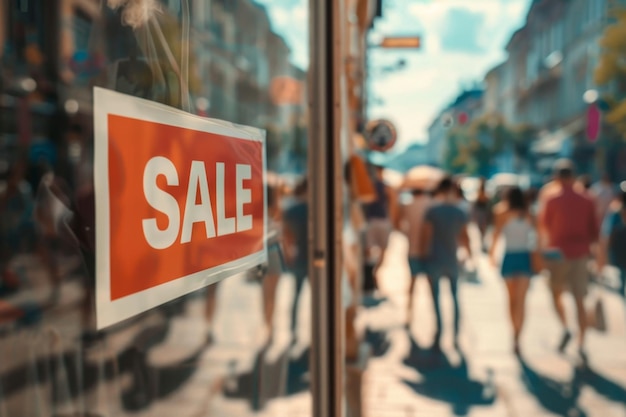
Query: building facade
(541,85)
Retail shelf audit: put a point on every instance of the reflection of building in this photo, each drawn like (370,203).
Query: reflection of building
(27,77)
(250,75)
(465,108)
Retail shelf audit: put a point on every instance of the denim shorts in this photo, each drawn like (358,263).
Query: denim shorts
(517,264)
(417,266)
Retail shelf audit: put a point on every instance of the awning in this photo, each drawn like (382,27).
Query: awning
(552,142)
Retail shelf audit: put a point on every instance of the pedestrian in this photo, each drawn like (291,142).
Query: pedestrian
(585,182)
(296,240)
(516,226)
(275,259)
(613,239)
(443,229)
(532,196)
(380,215)
(604,193)
(481,212)
(411,220)
(570,223)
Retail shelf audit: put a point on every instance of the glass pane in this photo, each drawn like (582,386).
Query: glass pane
(237,347)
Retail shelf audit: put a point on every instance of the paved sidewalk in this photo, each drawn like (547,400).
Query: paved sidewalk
(404,378)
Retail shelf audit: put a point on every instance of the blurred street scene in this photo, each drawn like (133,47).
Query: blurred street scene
(476,209)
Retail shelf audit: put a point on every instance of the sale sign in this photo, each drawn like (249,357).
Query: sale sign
(180,203)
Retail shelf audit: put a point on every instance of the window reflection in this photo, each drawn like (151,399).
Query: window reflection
(244,339)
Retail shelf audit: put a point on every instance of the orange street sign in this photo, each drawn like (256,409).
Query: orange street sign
(413,42)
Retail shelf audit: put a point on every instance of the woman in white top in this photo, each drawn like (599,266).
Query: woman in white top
(515,224)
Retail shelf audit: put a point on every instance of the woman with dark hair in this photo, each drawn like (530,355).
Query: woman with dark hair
(516,226)
(613,238)
(481,211)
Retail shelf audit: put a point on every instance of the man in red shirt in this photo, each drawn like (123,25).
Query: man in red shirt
(571,226)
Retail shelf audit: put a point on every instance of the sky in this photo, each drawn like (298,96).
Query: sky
(461,41)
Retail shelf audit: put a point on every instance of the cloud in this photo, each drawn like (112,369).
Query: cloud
(461,31)
(435,18)
(413,97)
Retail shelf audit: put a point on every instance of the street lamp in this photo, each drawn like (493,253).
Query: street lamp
(590,96)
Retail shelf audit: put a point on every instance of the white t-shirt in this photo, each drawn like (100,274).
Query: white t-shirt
(604,196)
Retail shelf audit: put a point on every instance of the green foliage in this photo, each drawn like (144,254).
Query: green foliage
(611,70)
(472,149)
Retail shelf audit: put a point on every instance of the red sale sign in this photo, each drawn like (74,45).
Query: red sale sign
(180,203)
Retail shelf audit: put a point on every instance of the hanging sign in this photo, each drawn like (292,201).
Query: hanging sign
(180,203)
(594,122)
(381,135)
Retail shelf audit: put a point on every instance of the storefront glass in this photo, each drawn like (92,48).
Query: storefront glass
(238,347)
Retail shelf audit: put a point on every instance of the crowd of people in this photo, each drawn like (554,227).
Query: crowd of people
(568,230)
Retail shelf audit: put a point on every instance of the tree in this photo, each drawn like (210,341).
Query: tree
(611,70)
(472,149)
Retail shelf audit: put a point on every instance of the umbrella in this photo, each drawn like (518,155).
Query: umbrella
(502,181)
(393,178)
(505,179)
(423,177)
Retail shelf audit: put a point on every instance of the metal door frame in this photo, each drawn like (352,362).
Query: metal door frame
(325,210)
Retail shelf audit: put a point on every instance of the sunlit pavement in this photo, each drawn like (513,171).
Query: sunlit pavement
(405,378)
(237,376)
(242,373)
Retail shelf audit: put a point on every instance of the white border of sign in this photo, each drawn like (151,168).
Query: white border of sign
(109,102)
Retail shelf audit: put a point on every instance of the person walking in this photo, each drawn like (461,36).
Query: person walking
(516,226)
(381,216)
(570,223)
(296,240)
(604,193)
(443,229)
(481,212)
(613,239)
(411,220)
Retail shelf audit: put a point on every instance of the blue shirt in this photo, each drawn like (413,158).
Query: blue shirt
(377,209)
(447,221)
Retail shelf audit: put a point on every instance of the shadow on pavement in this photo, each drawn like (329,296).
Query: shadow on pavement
(378,342)
(561,397)
(447,382)
(282,377)
(371,301)
(603,386)
(71,375)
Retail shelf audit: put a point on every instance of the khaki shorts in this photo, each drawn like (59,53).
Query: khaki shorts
(569,274)
(377,234)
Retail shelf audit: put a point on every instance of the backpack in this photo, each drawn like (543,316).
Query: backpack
(617,241)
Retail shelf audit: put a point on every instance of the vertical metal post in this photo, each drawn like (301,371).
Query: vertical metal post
(325,220)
